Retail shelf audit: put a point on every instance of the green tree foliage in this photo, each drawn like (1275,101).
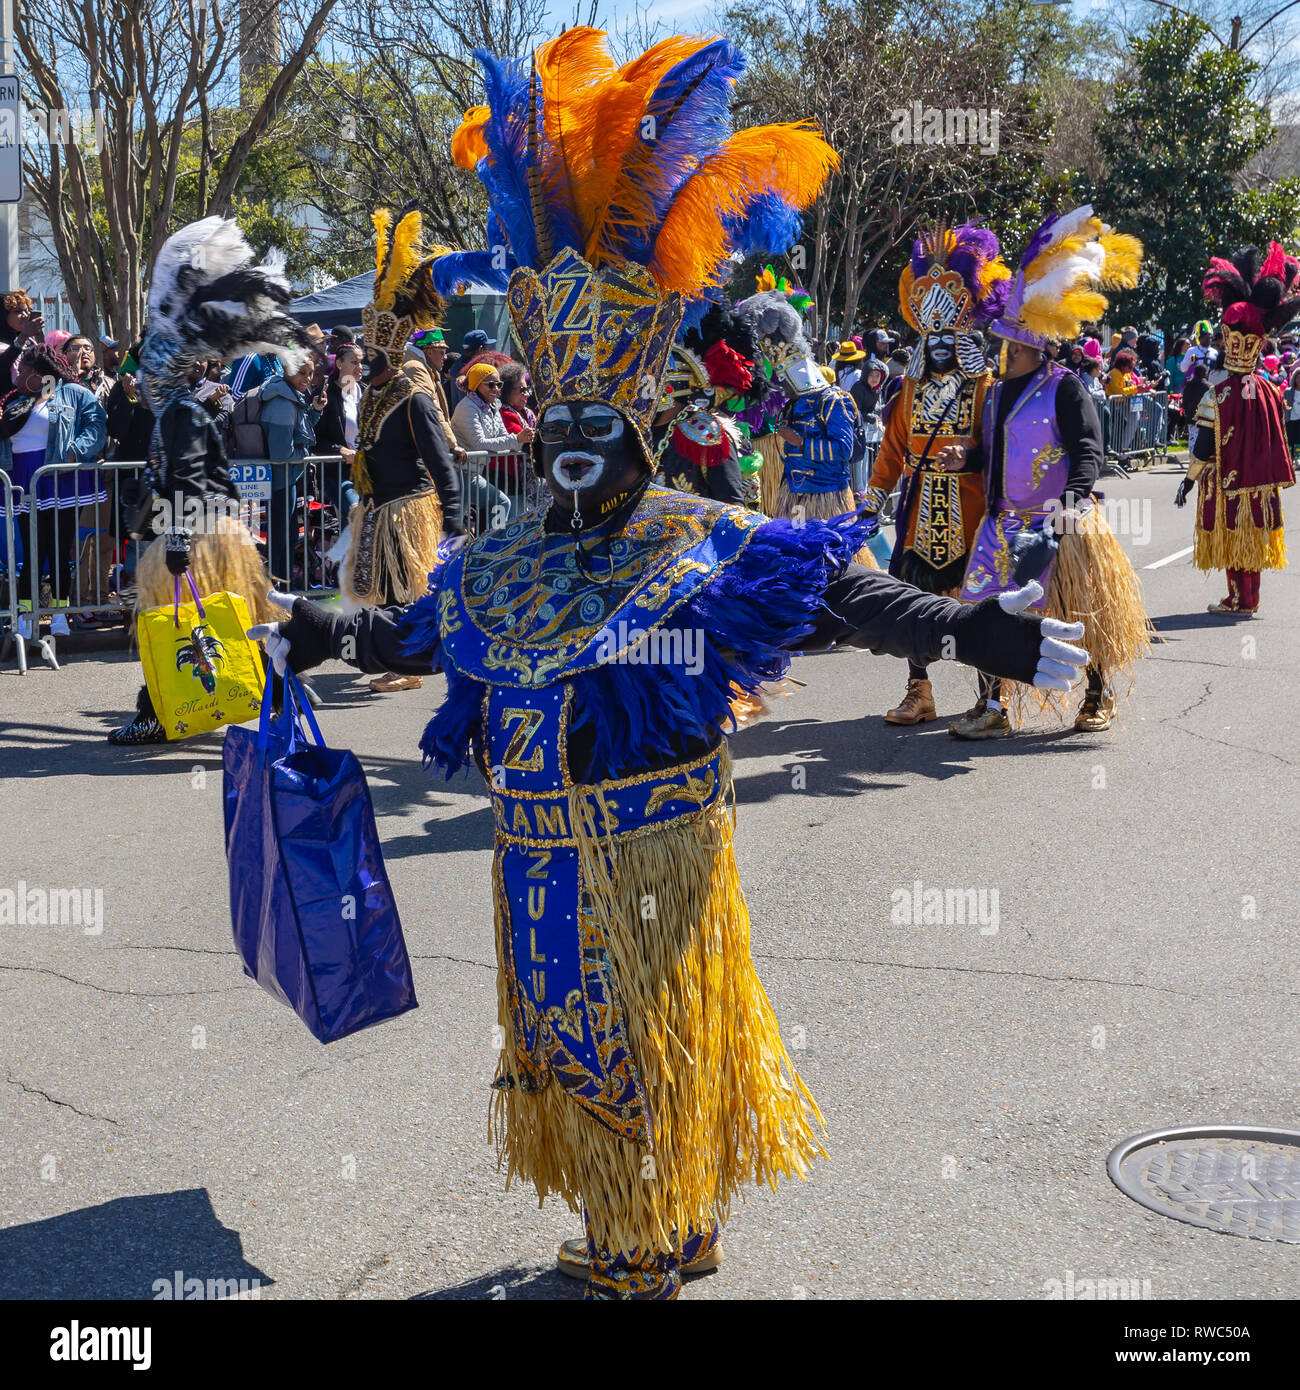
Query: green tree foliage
(856,67)
(1177,138)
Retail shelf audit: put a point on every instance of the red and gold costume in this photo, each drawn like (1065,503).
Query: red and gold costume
(1241,459)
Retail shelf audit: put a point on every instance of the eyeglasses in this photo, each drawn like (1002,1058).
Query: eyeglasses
(557,431)
(491,385)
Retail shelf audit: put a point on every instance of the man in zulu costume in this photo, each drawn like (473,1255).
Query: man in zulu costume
(1041,451)
(402,465)
(954,284)
(1241,459)
(643,1078)
(206,300)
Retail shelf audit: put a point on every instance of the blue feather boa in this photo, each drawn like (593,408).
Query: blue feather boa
(752,617)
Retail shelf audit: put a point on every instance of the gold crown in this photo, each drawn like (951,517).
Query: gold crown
(385,330)
(595,335)
(1241,350)
(940,300)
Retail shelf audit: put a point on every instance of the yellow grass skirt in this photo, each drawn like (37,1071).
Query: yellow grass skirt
(223,558)
(391,551)
(772,473)
(725,1105)
(1094,583)
(821,506)
(1245,546)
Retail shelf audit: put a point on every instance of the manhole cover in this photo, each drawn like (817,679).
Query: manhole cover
(1240,1179)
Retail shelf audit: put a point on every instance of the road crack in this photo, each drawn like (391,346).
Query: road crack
(986,970)
(54,1100)
(125,993)
(460,960)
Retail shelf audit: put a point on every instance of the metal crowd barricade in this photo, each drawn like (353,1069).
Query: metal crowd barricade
(1135,427)
(295,509)
(496,488)
(9,611)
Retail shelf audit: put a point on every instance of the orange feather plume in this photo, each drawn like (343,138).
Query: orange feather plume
(792,160)
(572,70)
(467,143)
(615,197)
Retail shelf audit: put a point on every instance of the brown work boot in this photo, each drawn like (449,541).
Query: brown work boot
(916,706)
(386,685)
(982,722)
(1097,712)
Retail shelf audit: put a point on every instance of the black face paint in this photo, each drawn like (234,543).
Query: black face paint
(591,462)
(373,363)
(588,455)
(941,351)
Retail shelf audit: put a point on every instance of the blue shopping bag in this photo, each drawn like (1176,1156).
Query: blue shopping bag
(313,914)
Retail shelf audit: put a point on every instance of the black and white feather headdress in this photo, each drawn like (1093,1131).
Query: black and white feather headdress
(207,300)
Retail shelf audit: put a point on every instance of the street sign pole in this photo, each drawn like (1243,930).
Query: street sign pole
(9,209)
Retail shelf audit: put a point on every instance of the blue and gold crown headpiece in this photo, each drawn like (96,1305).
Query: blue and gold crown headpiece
(618,194)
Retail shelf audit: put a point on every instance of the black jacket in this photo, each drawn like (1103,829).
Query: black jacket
(331,428)
(411,456)
(194,459)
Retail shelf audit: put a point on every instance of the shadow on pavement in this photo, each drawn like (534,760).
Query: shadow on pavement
(1190,622)
(126,1249)
(512,1282)
(863,754)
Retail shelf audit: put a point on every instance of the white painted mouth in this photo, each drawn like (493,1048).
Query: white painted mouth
(574,471)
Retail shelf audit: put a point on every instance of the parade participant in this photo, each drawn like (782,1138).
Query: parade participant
(643,1077)
(766,414)
(206,301)
(1041,450)
(701,452)
(820,430)
(402,464)
(1240,456)
(954,283)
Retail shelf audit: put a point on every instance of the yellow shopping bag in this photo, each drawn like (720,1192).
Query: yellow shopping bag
(201,668)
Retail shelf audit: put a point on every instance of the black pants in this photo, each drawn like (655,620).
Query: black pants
(991,686)
(56,541)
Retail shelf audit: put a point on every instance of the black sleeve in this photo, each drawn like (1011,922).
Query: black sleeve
(330,431)
(185,433)
(867,608)
(723,481)
(436,457)
(371,640)
(1203,448)
(1080,427)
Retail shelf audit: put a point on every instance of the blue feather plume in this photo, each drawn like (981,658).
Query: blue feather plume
(503,171)
(475,270)
(770,227)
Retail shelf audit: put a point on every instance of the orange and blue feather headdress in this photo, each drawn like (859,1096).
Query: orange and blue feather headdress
(618,195)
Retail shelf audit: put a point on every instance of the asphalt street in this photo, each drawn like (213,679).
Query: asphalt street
(160,1113)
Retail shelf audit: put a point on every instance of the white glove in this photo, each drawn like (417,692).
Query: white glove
(449,545)
(268,634)
(1060,666)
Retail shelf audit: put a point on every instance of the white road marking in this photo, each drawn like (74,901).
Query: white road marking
(1169,559)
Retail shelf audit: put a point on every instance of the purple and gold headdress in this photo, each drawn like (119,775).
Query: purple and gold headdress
(955,281)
